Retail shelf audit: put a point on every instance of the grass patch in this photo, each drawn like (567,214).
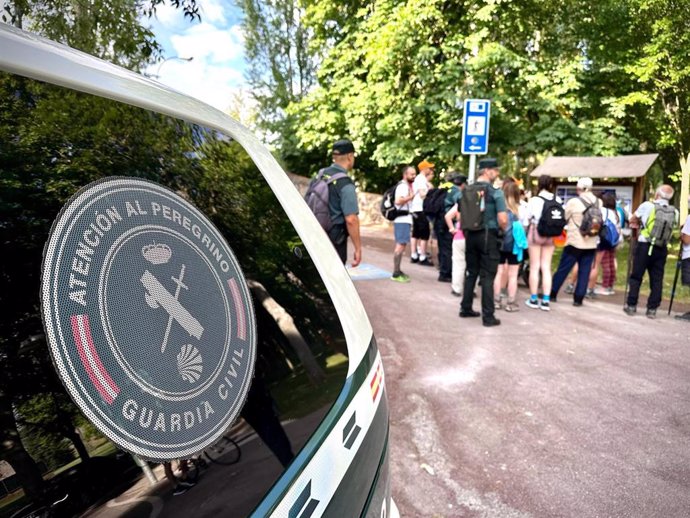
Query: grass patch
(682,293)
(297,396)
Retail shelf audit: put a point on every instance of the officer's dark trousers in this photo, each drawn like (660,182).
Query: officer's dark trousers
(653,263)
(338,235)
(445,248)
(482,257)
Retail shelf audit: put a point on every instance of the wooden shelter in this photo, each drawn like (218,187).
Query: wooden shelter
(606,172)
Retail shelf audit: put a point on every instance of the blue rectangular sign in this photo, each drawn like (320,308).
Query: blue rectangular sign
(475,127)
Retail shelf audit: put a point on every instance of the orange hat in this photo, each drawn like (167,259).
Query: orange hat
(425,164)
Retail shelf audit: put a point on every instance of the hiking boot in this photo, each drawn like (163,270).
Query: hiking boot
(414,260)
(684,316)
(534,304)
(511,307)
(651,313)
(426,262)
(630,310)
(490,322)
(400,277)
(469,314)
(570,289)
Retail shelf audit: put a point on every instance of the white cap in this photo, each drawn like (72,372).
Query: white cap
(584,183)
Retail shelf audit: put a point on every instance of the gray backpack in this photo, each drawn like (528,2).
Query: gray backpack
(592,219)
(317,197)
(662,219)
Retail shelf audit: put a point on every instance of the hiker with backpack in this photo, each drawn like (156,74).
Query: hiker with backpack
(449,193)
(420,224)
(332,197)
(544,219)
(482,213)
(656,220)
(402,224)
(583,214)
(609,238)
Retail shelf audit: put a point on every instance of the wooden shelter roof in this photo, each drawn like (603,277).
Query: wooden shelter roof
(627,166)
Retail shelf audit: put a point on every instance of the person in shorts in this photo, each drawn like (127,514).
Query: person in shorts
(509,262)
(540,248)
(420,224)
(402,225)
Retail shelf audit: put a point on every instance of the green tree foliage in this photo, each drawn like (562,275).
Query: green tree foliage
(564,77)
(280,68)
(660,68)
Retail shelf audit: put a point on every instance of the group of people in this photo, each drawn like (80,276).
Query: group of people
(486,229)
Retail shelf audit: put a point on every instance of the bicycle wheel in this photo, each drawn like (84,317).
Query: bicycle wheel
(226,451)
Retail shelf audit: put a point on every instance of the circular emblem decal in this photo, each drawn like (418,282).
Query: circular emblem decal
(148,316)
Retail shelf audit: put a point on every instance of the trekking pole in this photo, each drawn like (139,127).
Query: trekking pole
(631,252)
(675,277)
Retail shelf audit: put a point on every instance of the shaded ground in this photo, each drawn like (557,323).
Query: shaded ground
(578,412)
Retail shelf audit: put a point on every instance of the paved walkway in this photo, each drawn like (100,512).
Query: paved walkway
(581,412)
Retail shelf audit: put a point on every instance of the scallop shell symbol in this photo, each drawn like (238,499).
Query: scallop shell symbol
(189,363)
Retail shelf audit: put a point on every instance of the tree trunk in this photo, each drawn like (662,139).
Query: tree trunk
(12,450)
(287,326)
(67,428)
(71,433)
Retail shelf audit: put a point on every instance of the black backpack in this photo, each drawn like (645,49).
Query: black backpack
(317,197)
(388,209)
(508,239)
(592,219)
(435,202)
(472,205)
(552,220)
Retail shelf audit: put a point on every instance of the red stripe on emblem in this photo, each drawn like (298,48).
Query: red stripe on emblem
(239,309)
(81,330)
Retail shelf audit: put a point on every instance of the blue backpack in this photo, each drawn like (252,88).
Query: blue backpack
(609,235)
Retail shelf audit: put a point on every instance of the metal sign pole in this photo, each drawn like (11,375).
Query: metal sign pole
(473,167)
(150,475)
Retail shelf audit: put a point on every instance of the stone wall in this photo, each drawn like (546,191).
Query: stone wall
(369,213)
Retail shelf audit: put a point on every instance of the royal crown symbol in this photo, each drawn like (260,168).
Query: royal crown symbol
(156,253)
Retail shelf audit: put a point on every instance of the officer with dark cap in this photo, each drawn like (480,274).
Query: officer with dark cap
(482,213)
(342,202)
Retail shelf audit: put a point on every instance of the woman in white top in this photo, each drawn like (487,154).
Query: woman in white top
(540,248)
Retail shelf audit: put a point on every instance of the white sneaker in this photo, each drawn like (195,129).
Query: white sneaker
(534,304)
(604,291)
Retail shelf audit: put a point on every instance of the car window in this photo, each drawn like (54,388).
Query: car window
(54,141)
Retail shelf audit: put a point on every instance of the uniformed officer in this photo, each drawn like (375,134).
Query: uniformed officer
(482,245)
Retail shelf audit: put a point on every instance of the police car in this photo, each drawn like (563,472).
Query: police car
(179,337)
